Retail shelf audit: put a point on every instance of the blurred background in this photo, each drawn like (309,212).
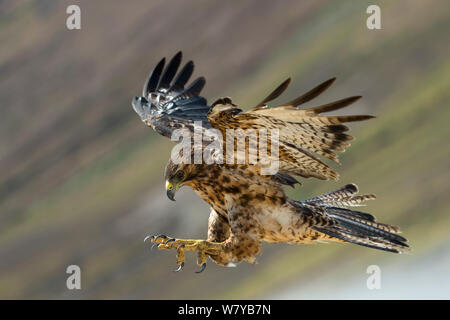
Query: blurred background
(81,177)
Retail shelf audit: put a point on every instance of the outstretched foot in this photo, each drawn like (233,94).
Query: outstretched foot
(203,248)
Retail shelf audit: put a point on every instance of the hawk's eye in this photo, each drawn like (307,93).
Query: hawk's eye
(179,175)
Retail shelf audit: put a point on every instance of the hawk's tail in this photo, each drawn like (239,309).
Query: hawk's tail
(354,226)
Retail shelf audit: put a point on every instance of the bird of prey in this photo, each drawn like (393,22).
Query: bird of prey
(248,207)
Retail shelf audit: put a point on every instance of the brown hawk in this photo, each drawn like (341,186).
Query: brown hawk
(247,206)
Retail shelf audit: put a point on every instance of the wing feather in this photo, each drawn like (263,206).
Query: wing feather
(311,94)
(152,81)
(166,105)
(182,78)
(274,94)
(169,72)
(303,133)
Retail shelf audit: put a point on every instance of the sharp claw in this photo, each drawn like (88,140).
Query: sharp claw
(203,267)
(170,240)
(180,267)
(154,245)
(148,237)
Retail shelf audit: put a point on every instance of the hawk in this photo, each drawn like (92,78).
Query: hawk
(247,206)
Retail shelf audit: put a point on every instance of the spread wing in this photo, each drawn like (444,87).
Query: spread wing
(165,104)
(304,134)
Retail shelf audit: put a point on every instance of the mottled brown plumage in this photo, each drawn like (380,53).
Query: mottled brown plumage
(247,206)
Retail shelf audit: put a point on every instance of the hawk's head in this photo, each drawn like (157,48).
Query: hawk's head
(178,175)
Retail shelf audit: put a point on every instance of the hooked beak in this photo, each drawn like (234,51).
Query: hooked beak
(170,191)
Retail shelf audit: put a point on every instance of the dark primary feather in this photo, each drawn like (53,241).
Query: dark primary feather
(152,81)
(169,72)
(182,78)
(165,104)
(312,93)
(275,93)
(192,91)
(335,105)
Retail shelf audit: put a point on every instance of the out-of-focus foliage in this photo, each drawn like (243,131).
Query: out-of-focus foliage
(82,178)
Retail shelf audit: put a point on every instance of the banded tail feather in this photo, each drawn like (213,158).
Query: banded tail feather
(351,225)
(342,197)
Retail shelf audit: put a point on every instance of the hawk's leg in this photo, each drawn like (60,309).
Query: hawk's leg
(238,245)
(243,243)
(218,231)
